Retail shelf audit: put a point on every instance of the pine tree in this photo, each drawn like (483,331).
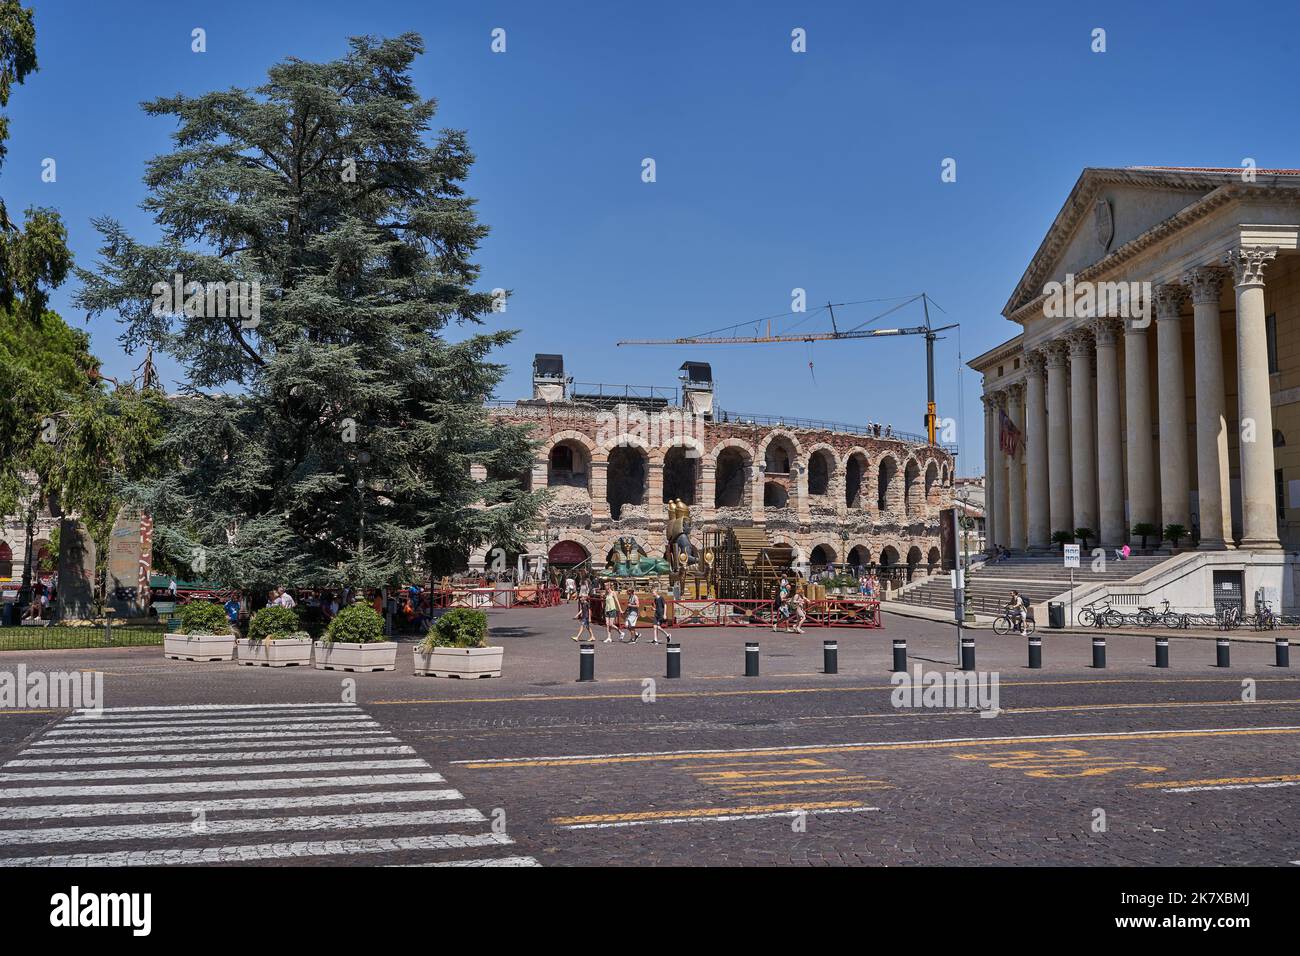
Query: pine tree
(324,432)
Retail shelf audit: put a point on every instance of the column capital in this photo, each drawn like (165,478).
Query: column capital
(1168,299)
(1106,332)
(1016,392)
(1205,283)
(1247,264)
(1035,361)
(1081,342)
(1056,353)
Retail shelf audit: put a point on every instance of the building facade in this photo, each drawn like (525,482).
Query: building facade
(837,494)
(1155,376)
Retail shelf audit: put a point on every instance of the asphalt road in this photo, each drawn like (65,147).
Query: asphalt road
(222,764)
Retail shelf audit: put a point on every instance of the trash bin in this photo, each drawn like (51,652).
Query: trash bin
(1056,614)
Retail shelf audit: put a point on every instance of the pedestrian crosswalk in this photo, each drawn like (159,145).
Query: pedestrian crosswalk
(238,783)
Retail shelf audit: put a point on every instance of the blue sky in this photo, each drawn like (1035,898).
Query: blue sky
(775,170)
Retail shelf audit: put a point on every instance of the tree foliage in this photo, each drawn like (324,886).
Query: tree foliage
(330,439)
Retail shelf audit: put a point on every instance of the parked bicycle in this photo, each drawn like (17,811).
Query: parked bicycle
(1265,619)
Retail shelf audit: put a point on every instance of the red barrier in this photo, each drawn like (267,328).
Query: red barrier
(721,612)
(496,596)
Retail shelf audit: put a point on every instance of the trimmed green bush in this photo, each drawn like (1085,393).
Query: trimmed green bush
(273,622)
(356,624)
(459,627)
(204,617)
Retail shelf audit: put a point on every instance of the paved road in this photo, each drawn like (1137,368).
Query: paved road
(1127,765)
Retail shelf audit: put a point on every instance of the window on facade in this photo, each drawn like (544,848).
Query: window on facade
(1270,332)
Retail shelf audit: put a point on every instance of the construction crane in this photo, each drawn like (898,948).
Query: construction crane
(858,332)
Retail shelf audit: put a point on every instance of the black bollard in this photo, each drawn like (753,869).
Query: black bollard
(586,662)
(830,657)
(674,660)
(1099,652)
(1222,652)
(1162,652)
(751,658)
(968,653)
(1282,647)
(900,655)
(1035,652)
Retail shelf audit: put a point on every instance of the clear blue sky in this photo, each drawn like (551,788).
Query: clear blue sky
(776,170)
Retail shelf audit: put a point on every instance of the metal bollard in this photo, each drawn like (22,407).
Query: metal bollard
(586,662)
(674,660)
(1162,652)
(900,655)
(1035,651)
(830,657)
(1222,650)
(1282,647)
(968,653)
(751,658)
(1099,652)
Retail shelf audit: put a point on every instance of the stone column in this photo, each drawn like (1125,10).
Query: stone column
(1110,461)
(1083,446)
(1038,530)
(990,469)
(1015,474)
(1061,508)
(599,486)
(1258,500)
(708,488)
(1137,391)
(1175,482)
(1002,504)
(1213,490)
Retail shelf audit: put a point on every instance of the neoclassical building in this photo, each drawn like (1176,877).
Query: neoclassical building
(1155,376)
(613,457)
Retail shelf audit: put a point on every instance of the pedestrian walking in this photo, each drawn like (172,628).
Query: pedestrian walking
(633,605)
(584,617)
(661,617)
(612,613)
(798,611)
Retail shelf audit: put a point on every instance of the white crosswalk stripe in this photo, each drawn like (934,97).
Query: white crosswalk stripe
(199,784)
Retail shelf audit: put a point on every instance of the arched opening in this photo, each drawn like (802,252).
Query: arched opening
(931,482)
(889,556)
(888,469)
(567,554)
(681,474)
(779,456)
(625,482)
(774,495)
(731,478)
(913,559)
(568,465)
(855,474)
(932,560)
(911,473)
(822,556)
(820,468)
(6,562)
(860,556)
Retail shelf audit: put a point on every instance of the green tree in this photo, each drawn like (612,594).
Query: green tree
(1175,531)
(1063,538)
(1145,530)
(1083,534)
(327,438)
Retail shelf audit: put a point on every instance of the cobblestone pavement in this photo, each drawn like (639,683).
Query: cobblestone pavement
(1132,764)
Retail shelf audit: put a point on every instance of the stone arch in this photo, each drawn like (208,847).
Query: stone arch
(627,477)
(6,561)
(932,559)
(821,555)
(775,495)
(823,464)
(932,482)
(911,478)
(914,559)
(568,460)
(733,465)
(888,556)
(859,555)
(681,474)
(857,478)
(888,484)
(789,444)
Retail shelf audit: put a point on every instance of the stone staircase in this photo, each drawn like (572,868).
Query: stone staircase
(1037,577)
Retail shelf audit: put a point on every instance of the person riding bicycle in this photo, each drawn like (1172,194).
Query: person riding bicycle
(1016,611)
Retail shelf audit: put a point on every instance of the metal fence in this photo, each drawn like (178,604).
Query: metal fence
(57,637)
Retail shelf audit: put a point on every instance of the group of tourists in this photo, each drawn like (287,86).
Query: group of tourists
(874,428)
(623,613)
(790,607)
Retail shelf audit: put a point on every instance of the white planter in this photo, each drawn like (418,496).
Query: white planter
(199,647)
(458,661)
(337,656)
(285,652)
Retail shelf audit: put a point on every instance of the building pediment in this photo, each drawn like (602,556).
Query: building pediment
(1108,208)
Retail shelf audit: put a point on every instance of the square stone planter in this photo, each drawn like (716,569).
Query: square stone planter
(199,647)
(337,656)
(466,662)
(285,652)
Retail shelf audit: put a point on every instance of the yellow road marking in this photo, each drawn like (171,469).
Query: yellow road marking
(1163,784)
(543,698)
(852,748)
(700,812)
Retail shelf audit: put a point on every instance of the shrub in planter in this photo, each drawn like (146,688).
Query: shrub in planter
(456,646)
(205,634)
(354,641)
(273,622)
